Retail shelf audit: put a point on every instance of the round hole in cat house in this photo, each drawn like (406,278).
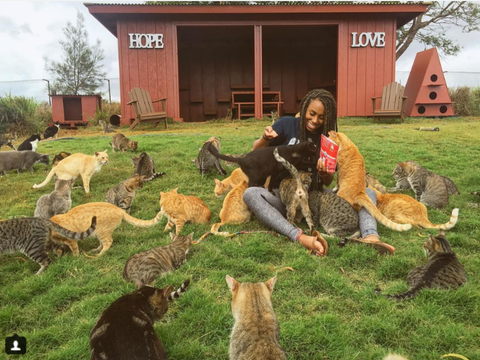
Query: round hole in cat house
(443,109)
(434,78)
(114,120)
(421,109)
(432,95)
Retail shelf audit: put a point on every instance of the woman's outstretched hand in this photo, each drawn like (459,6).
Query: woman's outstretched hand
(269,133)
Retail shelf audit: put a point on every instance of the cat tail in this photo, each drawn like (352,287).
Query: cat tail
(154,176)
(142,223)
(213,150)
(176,294)
(71,234)
(411,293)
(447,226)
(215,227)
(372,209)
(46,181)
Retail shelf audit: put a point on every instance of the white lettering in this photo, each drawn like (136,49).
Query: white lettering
(374,39)
(146,41)
(354,40)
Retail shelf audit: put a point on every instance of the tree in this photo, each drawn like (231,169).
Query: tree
(431,27)
(80,69)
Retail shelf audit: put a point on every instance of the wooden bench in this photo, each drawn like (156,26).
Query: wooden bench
(243,102)
(392,102)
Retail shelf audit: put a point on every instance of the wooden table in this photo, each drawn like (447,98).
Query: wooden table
(244,102)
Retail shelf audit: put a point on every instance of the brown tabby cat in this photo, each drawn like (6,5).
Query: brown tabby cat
(179,209)
(205,161)
(122,143)
(227,184)
(255,334)
(234,210)
(77,165)
(144,165)
(123,194)
(429,187)
(109,217)
(59,201)
(294,193)
(125,329)
(374,183)
(351,180)
(33,237)
(59,157)
(442,270)
(404,209)
(145,267)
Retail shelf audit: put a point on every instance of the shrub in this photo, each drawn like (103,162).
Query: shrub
(466,101)
(18,114)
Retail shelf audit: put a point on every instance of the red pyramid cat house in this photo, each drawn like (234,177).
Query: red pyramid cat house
(426,89)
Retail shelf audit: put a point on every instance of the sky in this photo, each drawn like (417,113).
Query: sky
(30,30)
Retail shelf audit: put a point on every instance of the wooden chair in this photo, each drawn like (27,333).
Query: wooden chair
(143,107)
(392,102)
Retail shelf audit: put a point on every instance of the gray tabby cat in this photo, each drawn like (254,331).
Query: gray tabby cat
(106,127)
(294,193)
(144,165)
(122,143)
(32,236)
(59,201)
(334,214)
(429,187)
(442,270)
(374,183)
(5,141)
(19,160)
(205,161)
(144,268)
(123,194)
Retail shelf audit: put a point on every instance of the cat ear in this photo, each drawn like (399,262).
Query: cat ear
(218,182)
(172,235)
(96,153)
(271,283)
(441,232)
(190,236)
(106,150)
(232,283)
(175,190)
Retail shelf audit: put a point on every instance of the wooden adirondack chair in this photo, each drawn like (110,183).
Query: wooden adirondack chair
(143,107)
(392,102)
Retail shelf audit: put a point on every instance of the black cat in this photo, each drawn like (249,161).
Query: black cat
(30,143)
(259,164)
(51,131)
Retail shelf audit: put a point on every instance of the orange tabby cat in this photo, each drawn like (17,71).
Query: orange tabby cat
(234,210)
(179,209)
(108,216)
(77,165)
(404,209)
(235,178)
(351,180)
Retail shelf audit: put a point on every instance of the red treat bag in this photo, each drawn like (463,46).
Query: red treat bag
(328,153)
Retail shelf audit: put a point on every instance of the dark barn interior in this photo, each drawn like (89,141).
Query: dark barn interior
(216,60)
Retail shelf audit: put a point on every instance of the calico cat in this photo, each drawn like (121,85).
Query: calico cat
(442,270)
(234,210)
(144,165)
(106,127)
(235,178)
(351,180)
(259,164)
(122,143)
(255,334)
(59,157)
(32,236)
(205,161)
(109,217)
(77,165)
(52,131)
(334,214)
(59,201)
(404,209)
(374,183)
(429,187)
(30,144)
(125,329)
(179,209)
(5,141)
(145,267)
(294,193)
(19,160)
(123,194)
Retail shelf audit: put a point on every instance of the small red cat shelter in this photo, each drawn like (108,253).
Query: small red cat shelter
(75,110)
(426,89)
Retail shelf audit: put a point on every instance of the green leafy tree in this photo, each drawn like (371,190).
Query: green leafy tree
(80,71)
(431,27)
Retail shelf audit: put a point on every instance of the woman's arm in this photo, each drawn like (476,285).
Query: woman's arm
(264,141)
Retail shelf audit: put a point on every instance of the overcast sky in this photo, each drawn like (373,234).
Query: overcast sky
(30,30)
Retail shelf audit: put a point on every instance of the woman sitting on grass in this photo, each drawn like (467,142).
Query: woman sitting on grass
(318,115)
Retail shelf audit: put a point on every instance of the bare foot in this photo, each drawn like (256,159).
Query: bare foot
(317,244)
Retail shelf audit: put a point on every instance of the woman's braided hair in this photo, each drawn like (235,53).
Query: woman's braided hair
(330,106)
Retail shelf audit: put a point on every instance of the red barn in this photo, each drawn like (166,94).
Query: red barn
(207,58)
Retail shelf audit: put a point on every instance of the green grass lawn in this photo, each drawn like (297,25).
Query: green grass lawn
(327,308)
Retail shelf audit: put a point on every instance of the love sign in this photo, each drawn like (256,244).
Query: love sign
(376,39)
